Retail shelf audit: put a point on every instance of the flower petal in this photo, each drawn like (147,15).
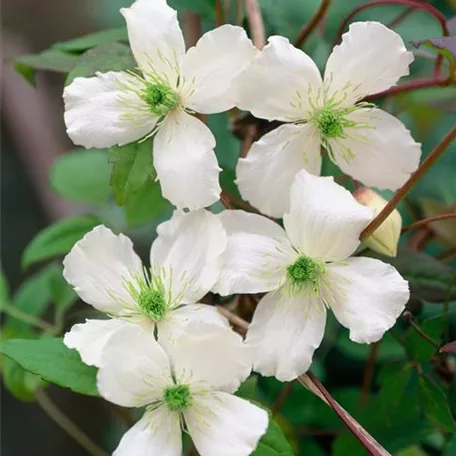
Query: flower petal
(98,267)
(158,432)
(155,38)
(134,368)
(273,162)
(279,83)
(225,425)
(368,296)
(105,110)
(209,68)
(257,254)
(385,152)
(185,162)
(90,338)
(284,333)
(355,70)
(190,245)
(324,221)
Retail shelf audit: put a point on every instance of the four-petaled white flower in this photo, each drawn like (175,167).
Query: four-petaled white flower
(283,83)
(191,388)
(186,260)
(306,269)
(169,86)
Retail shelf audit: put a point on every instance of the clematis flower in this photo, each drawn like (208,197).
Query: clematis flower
(186,259)
(283,83)
(160,99)
(193,390)
(306,269)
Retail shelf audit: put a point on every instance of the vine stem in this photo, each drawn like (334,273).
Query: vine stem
(30,319)
(256,23)
(414,178)
(369,373)
(310,26)
(425,221)
(48,406)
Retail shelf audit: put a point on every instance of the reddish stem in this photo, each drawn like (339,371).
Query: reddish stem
(424,222)
(310,26)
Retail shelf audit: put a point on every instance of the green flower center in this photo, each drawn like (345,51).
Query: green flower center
(177,397)
(160,98)
(305,270)
(330,122)
(152,303)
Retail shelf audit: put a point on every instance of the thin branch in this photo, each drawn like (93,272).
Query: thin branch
(29,319)
(424,222)
(414,178)
(369,373)
(256,23)
(278,404)
(234,319)
(192,27)
(310,26)
(219,13)
(422,334)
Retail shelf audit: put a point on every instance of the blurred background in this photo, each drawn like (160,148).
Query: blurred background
(33,138)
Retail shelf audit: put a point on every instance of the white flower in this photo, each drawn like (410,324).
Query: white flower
(122,107)
(283,83)
(193,390)
(186,260)
(306,269)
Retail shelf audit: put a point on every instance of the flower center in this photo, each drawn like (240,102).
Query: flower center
(177,397)
(152,303)
(305,270)
(330,122)
(160,98)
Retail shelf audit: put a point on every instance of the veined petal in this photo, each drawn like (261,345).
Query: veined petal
(355,70)
(257,254)
(190,245)
(225,425)
(383,152)
(158,432)
(209,68)
(99,266)
(368,296)
(105,110)
(185,162)
(155,38)
(90,338)
(284,333)
(281,83)
(324,221)
(273,162)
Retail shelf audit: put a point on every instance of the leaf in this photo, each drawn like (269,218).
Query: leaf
(204,7)
(132,169)
(435,405)
(273,443)
(92,39)
(58,239)
(103,58)
(419,348)
(4,290)
(82,176)
(445,45)
(20,383)
(446,229)
(450,347)
(394,379)
(53,362)
(62,294)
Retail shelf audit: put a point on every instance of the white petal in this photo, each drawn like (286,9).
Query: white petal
(385,152)
(158,433)
(257,254)
(279,83)
(368,296)
(155,38)
(284,333)
(209,68)
(98,267)
(105,110)
(273,162)
(198,354)
(324,221)
(185,161)
(355,70)
(191,246)
(90,338)
(225,425)
(134,368)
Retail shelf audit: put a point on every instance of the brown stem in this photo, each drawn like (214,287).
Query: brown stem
(423,335)
(234,319)
(310,26)
(256,23)
(369,373)
(414,178)
(278,404)
(192,27)
(219,14)
(424,222)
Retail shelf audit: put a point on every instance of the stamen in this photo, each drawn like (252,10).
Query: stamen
(305,271)
(152,303)
(177,397)
(160,98)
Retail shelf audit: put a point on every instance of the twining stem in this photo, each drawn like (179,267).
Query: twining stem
(256,23)
(67,425)
(425,221)
(414,178)
(310,26)
(29,319)
(369,373)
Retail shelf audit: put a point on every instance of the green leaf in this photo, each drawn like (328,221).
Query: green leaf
(103,58)
(204,7)
(58,239)
(435,405)
(82,176)
(20,383)
(445,45)
(53,362)
(93,39)
(394,379)
(273,443)
(4,290)
(419,348)
(132,169)
(62,293)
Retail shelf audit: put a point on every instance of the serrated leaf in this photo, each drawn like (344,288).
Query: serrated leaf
(419,348)
(51,360)
(58,239)
(445,45)
(82,176)
(92,39)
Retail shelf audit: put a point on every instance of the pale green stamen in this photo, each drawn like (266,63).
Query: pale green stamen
(331,122)
(153,303)
(160,98)
(305,271)
(177,397)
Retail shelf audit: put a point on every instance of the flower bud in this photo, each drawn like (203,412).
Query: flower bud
(385,238)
